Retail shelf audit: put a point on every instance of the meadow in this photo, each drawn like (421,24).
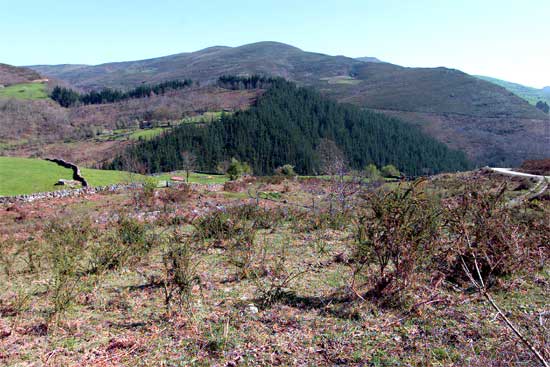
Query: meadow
(25,91)
(26,175)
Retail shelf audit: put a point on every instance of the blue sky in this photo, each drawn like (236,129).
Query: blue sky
(508,39)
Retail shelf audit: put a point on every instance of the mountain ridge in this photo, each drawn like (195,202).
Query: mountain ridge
(445,102)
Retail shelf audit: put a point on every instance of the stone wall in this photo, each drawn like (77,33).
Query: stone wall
(67,193)
(93,190)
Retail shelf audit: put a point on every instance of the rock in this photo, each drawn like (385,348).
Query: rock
(64,182)
(251,309)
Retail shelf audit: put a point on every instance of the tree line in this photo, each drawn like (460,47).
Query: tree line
(287,125)
(543,106)
(67,97)
(246,82)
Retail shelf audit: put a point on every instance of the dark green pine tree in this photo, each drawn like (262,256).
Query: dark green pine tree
(286,126)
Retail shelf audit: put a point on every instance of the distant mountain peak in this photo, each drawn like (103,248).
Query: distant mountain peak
(368,59)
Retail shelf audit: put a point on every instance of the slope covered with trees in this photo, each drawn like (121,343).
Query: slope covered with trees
(67,97)
(286,126)
(480,118)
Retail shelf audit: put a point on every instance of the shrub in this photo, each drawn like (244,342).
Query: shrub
(395,236)
(371,172)
(8,255)
(237,169)
(128,242)
(286,170)
(261,218)
(217,225)
(390,171)
(278,277)
(145,195)
(482,227)
(175,195)
(67,245)
(180,270)
(242,251)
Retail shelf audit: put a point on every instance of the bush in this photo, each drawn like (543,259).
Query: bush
(180,270)
(217,225)
(390,171)
(482,227)
(242,251)
(237,169)
(286,170)
(371,172)
(278,277)
(8,254)
(395,236)
(128,243)
(67,245)
(261,218)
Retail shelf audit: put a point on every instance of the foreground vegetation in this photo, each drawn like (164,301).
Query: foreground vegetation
(278,272)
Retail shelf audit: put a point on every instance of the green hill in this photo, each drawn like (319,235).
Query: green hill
(531,95)
(287,126)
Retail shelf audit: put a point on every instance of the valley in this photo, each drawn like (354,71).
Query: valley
(454,107)
(261,205)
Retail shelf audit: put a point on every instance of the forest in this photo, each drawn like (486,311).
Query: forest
(67,97)
(246,82)
(287,125)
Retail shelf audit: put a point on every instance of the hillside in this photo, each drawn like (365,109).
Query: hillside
(368,59)
(207,65)
(456,108)
(375,84)
(290,125)
(531,95)
(15,75)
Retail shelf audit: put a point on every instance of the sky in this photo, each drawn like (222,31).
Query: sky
(506,39)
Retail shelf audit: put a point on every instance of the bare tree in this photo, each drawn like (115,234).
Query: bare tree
(189,162)
(334,164)
(331,158)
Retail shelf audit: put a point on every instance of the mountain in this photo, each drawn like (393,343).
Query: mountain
(368,84)
(15,75)
(491,124)
(291,125)
(207,65)
(531,95)
(368,59)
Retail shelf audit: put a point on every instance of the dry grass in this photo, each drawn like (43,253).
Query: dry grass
(119,316)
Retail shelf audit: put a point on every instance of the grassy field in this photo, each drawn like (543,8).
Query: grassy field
(24,91)
(25,176)
(146,134)
(343,79)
